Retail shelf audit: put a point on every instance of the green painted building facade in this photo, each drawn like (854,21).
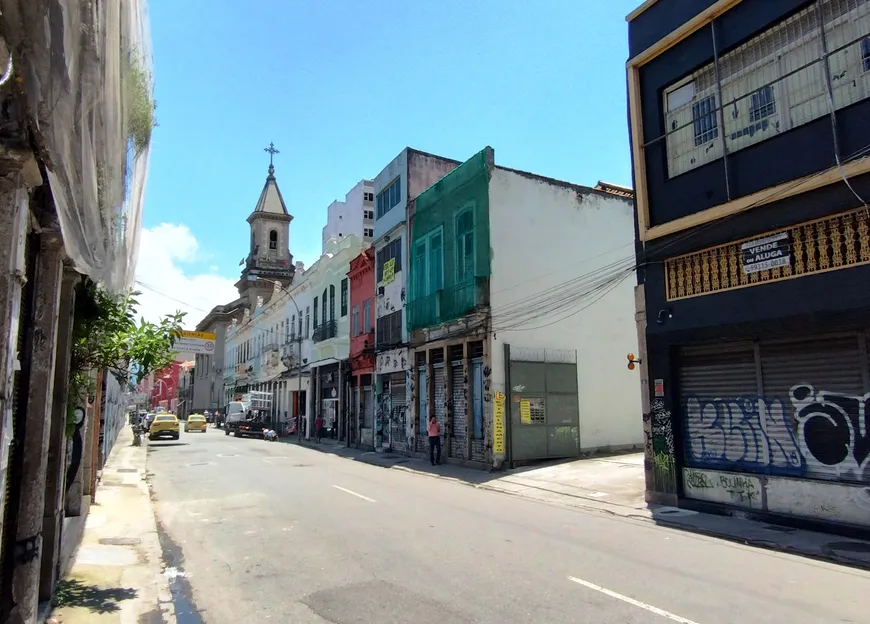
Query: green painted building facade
(450,250)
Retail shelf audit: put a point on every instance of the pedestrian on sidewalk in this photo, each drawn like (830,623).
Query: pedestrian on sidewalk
(318,428)
(434,429)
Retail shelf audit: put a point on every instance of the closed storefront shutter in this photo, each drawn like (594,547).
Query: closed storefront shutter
(818,386)
(788,408)
(458,446)
(440,389)
(398,412)
(716,382)
(368,407)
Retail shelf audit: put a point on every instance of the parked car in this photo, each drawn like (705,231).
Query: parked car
(164,426)
(195,422)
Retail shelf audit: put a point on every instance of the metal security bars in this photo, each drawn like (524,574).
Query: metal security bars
(788,76)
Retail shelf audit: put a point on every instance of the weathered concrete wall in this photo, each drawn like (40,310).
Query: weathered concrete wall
(820,500)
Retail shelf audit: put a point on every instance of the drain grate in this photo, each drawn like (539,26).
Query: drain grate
(669,512)
(120,541)
(199,464)
(854,547)
(128,470)
(781,529)
(117,484)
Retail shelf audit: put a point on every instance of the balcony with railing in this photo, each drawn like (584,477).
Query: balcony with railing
(324,331)
(447,304)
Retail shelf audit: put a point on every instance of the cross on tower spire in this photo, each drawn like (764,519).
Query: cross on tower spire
(272,151)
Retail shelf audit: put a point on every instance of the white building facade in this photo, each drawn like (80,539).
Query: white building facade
(328,363)
(355,215)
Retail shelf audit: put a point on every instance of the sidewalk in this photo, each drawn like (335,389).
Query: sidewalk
(615,485)
(117,573)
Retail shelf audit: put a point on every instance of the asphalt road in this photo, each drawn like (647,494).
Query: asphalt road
(271,532)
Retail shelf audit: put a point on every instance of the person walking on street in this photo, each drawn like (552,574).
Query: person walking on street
(434,429)
(318,428)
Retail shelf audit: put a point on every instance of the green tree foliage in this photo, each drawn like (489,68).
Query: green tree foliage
(106,335)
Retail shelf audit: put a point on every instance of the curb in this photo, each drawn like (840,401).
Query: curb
(764,544)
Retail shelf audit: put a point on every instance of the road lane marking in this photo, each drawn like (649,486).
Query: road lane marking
(352,493)
(631,601)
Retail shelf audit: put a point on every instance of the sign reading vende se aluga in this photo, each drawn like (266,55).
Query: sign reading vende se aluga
(195,342)
(766,253)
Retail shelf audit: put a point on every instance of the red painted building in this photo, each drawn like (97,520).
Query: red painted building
(165,386)
(362,342)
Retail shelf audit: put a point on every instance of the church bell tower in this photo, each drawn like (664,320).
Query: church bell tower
(269,259)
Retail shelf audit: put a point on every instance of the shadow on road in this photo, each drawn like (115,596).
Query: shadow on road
(73,593)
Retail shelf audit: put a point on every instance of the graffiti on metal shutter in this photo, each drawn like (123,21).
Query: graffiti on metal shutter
(816,433)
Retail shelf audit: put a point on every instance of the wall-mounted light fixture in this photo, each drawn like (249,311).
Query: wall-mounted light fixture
(663,315)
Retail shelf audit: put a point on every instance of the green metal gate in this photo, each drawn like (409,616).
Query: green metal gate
(543,404)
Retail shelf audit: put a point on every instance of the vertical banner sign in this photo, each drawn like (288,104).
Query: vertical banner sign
(498,424)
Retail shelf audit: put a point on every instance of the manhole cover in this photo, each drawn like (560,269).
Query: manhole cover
(128,470)
(227,455)
(120,541)
(781,529)
(199,464)
(855,547)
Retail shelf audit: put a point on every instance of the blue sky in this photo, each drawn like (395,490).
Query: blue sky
(341,87)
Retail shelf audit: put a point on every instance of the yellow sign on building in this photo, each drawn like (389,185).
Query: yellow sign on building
(389,271)
(526,412)
(498,424)
(198,335)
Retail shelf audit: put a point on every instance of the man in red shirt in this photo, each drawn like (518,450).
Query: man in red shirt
(318,428)
(434,430)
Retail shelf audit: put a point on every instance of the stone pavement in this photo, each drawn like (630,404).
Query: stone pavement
(615,485)
(117,575)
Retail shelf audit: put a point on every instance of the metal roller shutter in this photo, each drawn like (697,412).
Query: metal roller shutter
(814,392)
(398,414)
(796,409)
(368,407)
(459,415)
(716,381)
(440,391)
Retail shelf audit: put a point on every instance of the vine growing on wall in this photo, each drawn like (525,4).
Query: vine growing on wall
(107,336)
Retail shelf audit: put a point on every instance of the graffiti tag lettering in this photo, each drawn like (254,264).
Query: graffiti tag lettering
(812,433)
(745,432)
(698,480)
(833,431)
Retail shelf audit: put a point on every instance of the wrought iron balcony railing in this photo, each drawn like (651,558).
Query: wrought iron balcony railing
(324,331)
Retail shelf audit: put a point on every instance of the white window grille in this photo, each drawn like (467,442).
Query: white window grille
(770,84)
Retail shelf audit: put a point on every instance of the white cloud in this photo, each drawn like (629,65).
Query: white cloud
(164,283)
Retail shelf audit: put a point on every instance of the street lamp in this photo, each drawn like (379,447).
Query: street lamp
(298,353)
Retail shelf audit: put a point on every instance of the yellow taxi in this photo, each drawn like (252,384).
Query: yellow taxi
(164,426)
(195,422)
